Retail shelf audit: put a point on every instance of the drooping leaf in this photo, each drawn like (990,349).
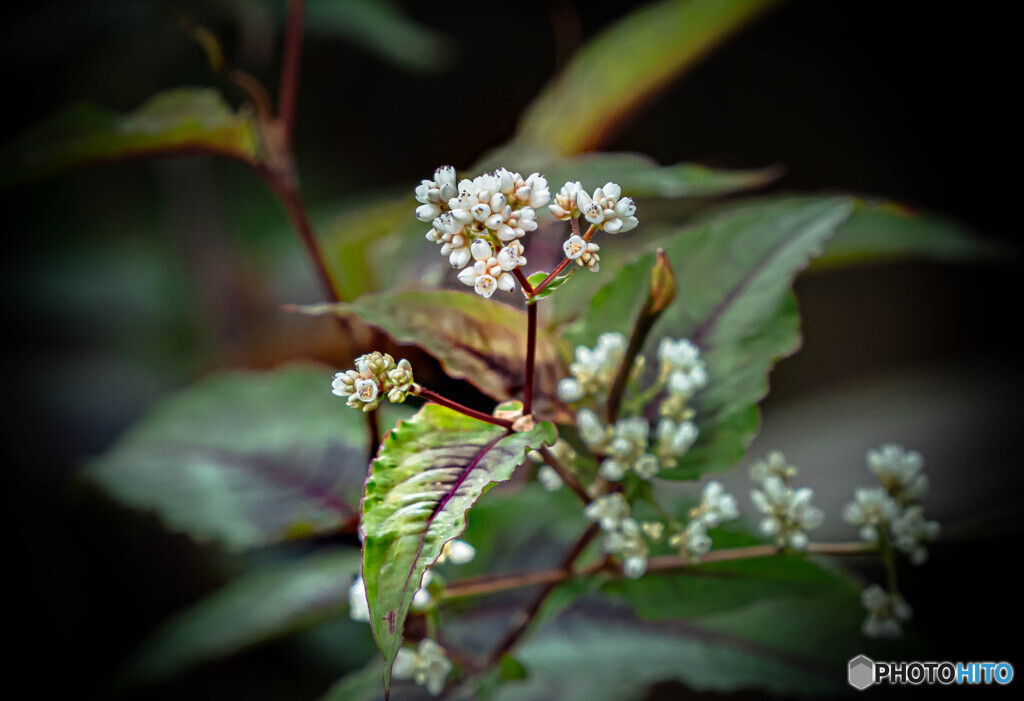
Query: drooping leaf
(886,230)
(245,458)
(479,340)
(734,301)
(184,120)
(429,472)
(383,28)
(617,71)
(256,607)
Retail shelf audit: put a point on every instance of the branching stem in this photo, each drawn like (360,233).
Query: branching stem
(432,396)
(565,261)
(567,475)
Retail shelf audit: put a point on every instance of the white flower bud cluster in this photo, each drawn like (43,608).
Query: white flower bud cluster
(594,369)
(583,252)
(684,374)
(775,465)
(497,208)
(607,209)
(886,612)
(787,514)
(674,440)
(716,507)
(375,376)
(892,510)
(428,666)
(623,536)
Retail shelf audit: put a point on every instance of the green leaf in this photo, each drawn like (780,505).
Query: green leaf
(178,121)
(245,458)
(886,231)
(363,685)
(734,301)
(539,277)
(479,340)
(430,471)
(383,28)
(256,607)
(607,655)
(625,65)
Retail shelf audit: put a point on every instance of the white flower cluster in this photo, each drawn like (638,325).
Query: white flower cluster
(606,209)
(684,374)
(716,507)
(594,369)
(482,220)
(458,552)
(893,510)
(886,612)
(623,536)
(584,252)
(428,666)
(375,376)
(787,514)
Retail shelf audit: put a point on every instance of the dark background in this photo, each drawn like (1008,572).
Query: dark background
(899,99)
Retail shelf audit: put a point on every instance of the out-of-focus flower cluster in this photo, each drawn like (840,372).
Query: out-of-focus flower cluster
(786,513)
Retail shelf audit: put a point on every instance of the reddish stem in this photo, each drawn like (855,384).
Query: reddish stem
(443,401)
(565,261)
(291,64)
(531,357)
(527,287)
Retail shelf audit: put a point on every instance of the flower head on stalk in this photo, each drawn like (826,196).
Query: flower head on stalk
(607,209)
(428,666)
(376,375)
(490,272)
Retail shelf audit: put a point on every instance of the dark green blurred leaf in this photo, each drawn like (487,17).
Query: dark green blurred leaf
(734,301)
(607,655)
(254,608)
(382,27)
(364,685)
(622,67)
(177,121)
(245,458)
(478,340)
(429,472)
(886,230)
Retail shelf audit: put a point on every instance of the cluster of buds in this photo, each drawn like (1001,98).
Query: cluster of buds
(594,369)
(716,507)
(623,535)
(683,373)
(376,376)
(428,666)
(887,611)
(787,513)
(893,510)
(606,209)
(482,220)
(546,474)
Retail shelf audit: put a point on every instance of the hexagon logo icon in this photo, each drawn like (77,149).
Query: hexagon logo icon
(861,672)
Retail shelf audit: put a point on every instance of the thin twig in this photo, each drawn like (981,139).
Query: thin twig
(291,64)
(568,476)
(521,277)
(432,396)
(522,621)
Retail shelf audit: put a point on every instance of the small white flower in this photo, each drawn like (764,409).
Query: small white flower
(488,273)
(775,465)
(451,234)
(589,259)
(900,472)
(358,608)
(646,467)
(366,390)
(910,530)
(870,510)
(429,666)
(549,479)
(674,440)
(594,369)
(569,390)
(457,552)
(886,612)
(653,530)
(564,207)
(591,430)
(434,194)
(716,505)
(608,511)
(606,210)
(421,599)
(694,541)
(574,247)
(788,513)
